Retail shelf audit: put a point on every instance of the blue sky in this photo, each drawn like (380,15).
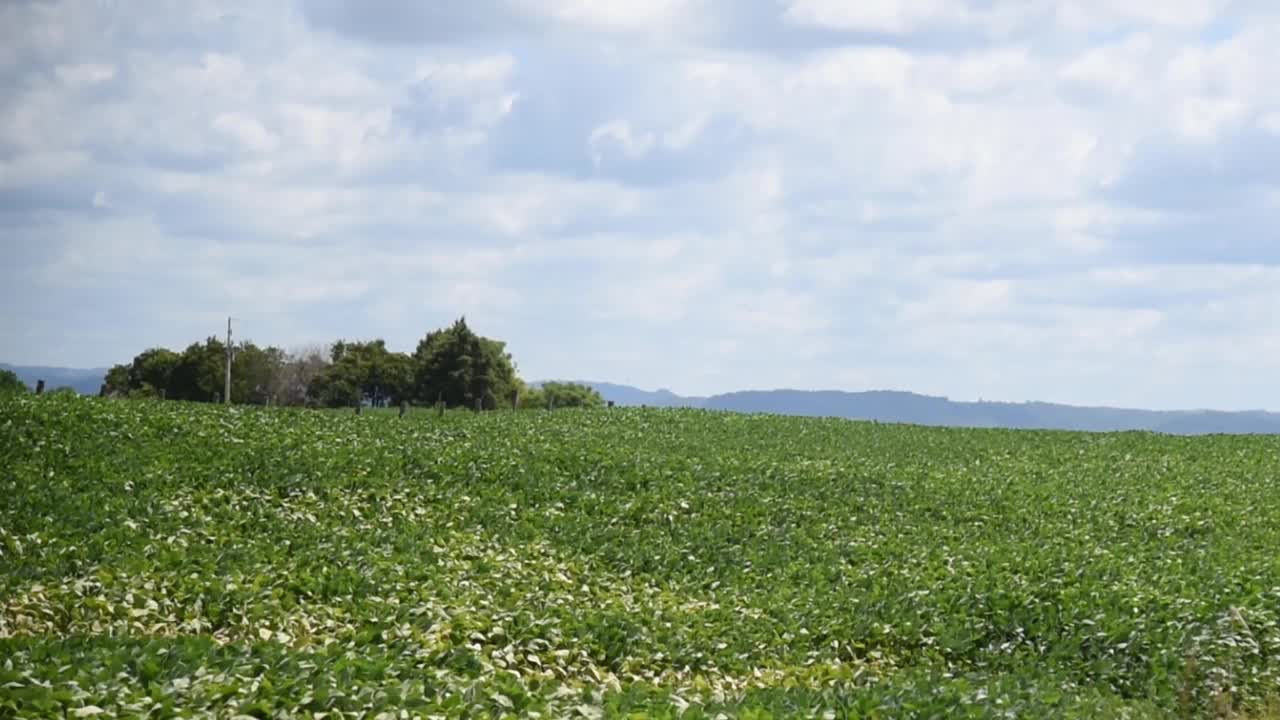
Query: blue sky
(1005,199)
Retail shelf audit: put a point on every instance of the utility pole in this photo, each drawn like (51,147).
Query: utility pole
(227,394)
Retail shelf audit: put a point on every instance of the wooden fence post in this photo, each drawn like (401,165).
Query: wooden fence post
(39,387)
(515,399)
(404,407)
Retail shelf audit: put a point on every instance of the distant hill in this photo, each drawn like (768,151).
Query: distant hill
(1241,423)
(905,407)
(86,381)
(626,395)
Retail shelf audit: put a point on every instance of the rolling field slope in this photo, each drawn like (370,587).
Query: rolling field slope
(166,559)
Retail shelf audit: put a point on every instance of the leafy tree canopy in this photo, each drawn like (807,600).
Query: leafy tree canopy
(11,383)
(117,380)
(560,395)
(198,373)
(452,364)
(459,367)
(153,370)
(363,372)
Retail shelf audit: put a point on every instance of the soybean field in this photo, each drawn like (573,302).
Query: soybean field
(167,559)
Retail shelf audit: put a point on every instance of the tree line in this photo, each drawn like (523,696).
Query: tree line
(453,365)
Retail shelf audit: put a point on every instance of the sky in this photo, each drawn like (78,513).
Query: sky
(1068,200)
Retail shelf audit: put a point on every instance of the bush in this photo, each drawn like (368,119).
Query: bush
(562,395)
(11,383)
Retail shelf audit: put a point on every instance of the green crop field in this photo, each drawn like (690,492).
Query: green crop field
(177,560)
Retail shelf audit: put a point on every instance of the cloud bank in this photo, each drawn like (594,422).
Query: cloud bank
(997,199)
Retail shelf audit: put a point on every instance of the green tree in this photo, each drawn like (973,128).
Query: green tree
(454,363)
(335,387)
(396,378)
(561,395)
(199,373)
(10,383)
(254,371)
(460,367)
(362,372)
(152,370)
(117,380)
(505,379)
(532,398)
(199,376)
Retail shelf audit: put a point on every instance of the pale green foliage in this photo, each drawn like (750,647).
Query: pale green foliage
(566,395)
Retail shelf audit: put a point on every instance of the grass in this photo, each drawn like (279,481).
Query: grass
(168,559)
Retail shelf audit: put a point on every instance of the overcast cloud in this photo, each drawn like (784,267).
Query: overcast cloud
(1005,199)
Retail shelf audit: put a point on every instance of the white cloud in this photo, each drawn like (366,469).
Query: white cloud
(663,294)
(619,14)
(1068,201)
(1204,118)
(619,134)
(889,16)
(42,167)
(247,131)
(1100,15)
(1117,69)
(960,299)
(85,74)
